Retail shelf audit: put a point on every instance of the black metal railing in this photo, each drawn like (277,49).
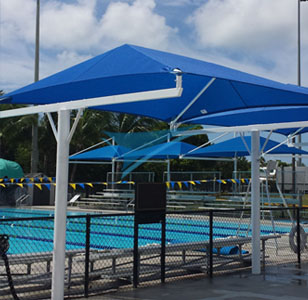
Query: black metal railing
(100,248)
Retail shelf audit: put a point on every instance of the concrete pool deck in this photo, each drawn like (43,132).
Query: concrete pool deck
(279,283)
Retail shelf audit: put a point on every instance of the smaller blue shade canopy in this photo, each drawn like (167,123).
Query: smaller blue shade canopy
(288,131)
(161,151)
(101,154)
(236,148)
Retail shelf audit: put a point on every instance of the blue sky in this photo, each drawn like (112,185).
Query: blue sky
(256,36)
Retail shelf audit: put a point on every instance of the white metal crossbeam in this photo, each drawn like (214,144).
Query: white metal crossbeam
(245,128)
(100,101)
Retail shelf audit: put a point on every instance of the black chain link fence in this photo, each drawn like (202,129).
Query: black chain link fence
(100,249)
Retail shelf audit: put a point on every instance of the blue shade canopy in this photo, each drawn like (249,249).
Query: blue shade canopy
(288,131)
(161,151)
(101,154)
(234,98)
(235,148)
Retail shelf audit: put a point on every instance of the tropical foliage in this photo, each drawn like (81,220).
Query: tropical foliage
(15,144)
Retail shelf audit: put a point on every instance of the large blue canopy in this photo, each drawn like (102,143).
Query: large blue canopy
(234,98)
(162,151)
(235,148)
(101,154)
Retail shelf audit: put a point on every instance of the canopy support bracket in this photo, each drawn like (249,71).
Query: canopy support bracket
(244,142)
(53,126)
(203,145)
(93,146)
(172,123)
(265,143)
(79,115)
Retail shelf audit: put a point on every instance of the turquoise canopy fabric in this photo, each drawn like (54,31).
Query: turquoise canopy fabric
(234,98)
(162,151)
(134,140)
(235,148)
(10,169)
(106,153)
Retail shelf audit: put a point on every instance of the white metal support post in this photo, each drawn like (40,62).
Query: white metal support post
(255,201)
(235,175)
(113,166)
(60,205)
(168,170)
(168,160)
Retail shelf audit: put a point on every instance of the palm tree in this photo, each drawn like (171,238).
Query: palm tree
(88,132)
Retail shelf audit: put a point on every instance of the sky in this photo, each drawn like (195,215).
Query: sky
(255,36)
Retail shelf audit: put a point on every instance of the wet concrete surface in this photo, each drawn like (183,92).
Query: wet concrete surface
(278,283)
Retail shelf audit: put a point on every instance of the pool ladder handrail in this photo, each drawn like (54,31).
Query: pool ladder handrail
(22,199)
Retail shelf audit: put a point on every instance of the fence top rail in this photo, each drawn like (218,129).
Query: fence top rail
(182,212)
(84,216)
(193,172)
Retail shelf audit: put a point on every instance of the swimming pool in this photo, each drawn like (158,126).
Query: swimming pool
(10,212)
(108,232)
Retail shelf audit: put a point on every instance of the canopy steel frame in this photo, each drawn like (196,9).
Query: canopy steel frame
(99,101)
(245,128)
(267,139)
(93,162)
(93,146)
(64,108)
(188,106)
(61,204)
(244,142)
(203,145)
(63,136)
(255,201)
(207,158)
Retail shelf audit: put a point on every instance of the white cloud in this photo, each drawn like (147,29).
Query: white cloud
(17,21)
(136,23)
(63,60)
(68,25)
(256,34)
(76,27)
(175,3)
(15,73)
(239,25)
(71,32)
(17,33)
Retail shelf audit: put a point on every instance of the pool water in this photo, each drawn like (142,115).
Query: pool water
(9,212)
(29,236)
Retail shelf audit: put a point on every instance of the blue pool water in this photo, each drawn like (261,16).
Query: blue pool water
(9,212)
(109,232)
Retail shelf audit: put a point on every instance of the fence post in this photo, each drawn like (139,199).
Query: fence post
(298,238)
(163,249)
(87,253)
(136,255)
(211,245)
